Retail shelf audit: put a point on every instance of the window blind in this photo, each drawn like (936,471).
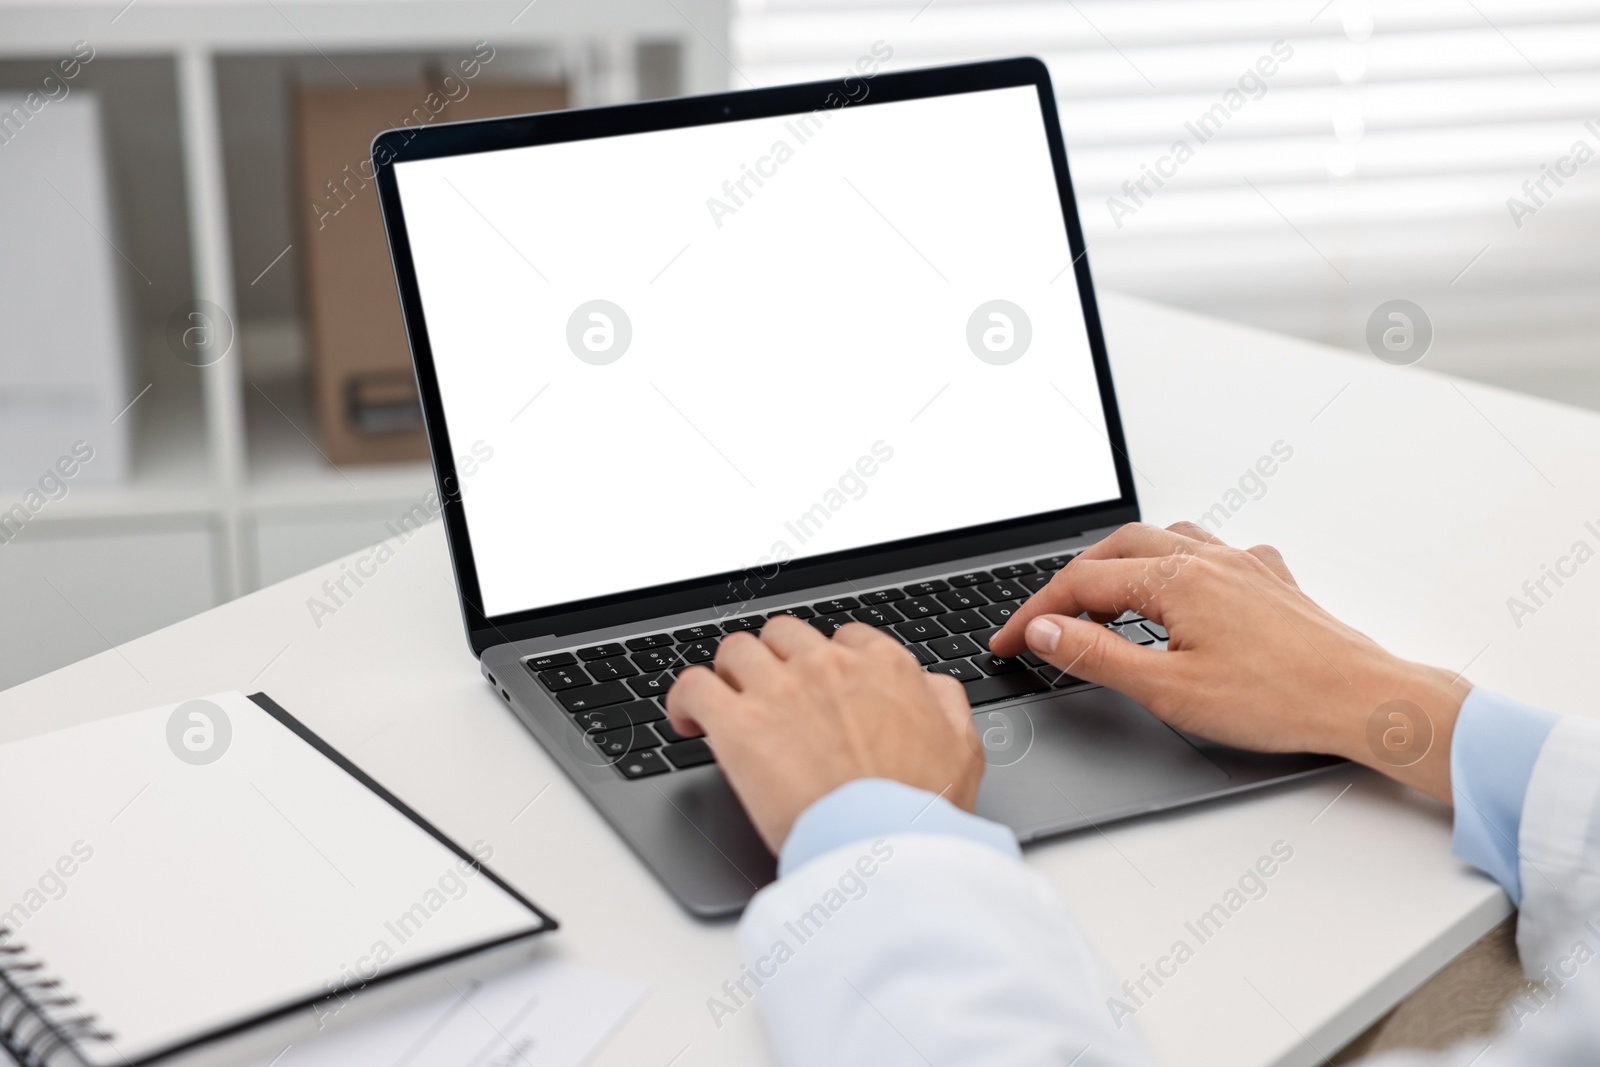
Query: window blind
(1293,164)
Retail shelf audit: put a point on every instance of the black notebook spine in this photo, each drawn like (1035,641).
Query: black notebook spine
(39,1020)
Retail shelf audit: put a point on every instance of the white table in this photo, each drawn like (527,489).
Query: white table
(1412,506)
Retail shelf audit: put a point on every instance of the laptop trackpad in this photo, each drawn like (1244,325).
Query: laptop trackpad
(1071,758)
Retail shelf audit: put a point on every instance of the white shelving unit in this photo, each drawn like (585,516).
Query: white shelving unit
(228,489)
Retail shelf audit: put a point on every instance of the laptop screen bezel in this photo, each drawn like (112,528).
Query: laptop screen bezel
(714,593)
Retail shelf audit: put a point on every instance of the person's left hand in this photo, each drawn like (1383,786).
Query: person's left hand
(793,715)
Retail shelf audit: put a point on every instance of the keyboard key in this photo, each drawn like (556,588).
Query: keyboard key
(651,685)
(920,630)
(604,670)
(987,689)
(882,596)
(1135,633)
(955,646)
(799,612)
(623,741)
(998,613)
(829,624)
(1054,563)
(593,722)
(1059,678)
(924,657)
(600,651)
(984,636)
(925,588)
(595,696)
(554,659)
(1012,570)
(698,651)
(958,599)
(1031,660)
(697,633)
(877,616)
(959,622)
(921,607)
(689,753)
(639,644)
(959,669)
(836,605)
(989,663)
(1005,589)
(970,578)
(656,659)
(747,624)
(1156,629)
(1034,582)
(634,713)
(563,678)
(668,734)
(642,764)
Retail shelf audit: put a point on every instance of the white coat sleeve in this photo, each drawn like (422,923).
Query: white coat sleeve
(1555,1021)
(912,947)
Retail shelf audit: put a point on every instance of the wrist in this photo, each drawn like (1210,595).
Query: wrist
(1401,722)
(868,809)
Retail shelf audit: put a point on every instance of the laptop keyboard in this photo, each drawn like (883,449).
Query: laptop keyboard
(615,693)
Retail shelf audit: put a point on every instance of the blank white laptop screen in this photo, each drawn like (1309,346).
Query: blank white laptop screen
(691,351)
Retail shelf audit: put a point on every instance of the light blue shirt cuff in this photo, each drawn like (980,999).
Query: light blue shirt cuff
(1496,743)
(877,807)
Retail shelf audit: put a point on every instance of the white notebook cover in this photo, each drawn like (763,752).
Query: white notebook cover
(180,899)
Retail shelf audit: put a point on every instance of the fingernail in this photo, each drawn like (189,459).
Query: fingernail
(1043,636)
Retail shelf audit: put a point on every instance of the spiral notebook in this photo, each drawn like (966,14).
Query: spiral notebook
(191,872)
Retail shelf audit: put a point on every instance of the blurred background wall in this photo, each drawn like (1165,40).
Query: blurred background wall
(195,291)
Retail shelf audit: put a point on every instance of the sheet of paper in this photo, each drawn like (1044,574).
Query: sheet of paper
(541,1014)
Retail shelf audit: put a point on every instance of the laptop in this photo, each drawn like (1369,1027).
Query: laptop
(826,350)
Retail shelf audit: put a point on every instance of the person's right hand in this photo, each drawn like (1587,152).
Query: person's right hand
(1251,662)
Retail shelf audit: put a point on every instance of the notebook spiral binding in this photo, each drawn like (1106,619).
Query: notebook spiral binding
(38,1019)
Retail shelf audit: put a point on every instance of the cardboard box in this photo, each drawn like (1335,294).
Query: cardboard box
(361,376)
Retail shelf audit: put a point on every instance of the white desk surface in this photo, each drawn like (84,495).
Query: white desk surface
(1413,506)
